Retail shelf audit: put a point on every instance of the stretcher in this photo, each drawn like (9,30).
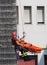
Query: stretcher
(26,45)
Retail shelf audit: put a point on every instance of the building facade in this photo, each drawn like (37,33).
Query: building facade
(32,19)
(8,24)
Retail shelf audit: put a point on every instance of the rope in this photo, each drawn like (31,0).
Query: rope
(22,20)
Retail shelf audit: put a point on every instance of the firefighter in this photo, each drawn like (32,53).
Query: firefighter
(17,47)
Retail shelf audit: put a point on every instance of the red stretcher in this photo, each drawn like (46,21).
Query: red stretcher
(26,45)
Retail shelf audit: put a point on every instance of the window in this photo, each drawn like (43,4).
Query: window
(40,14)
(27,14)
(28,60)
(17,15)
(45,59)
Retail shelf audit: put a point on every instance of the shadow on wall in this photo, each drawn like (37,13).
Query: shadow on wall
(42,62)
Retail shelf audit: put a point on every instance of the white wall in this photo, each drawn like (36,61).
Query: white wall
(35,33)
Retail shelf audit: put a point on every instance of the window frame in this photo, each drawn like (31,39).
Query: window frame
(41,8)
(28,8)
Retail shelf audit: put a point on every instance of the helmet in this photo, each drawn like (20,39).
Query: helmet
(13,33)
